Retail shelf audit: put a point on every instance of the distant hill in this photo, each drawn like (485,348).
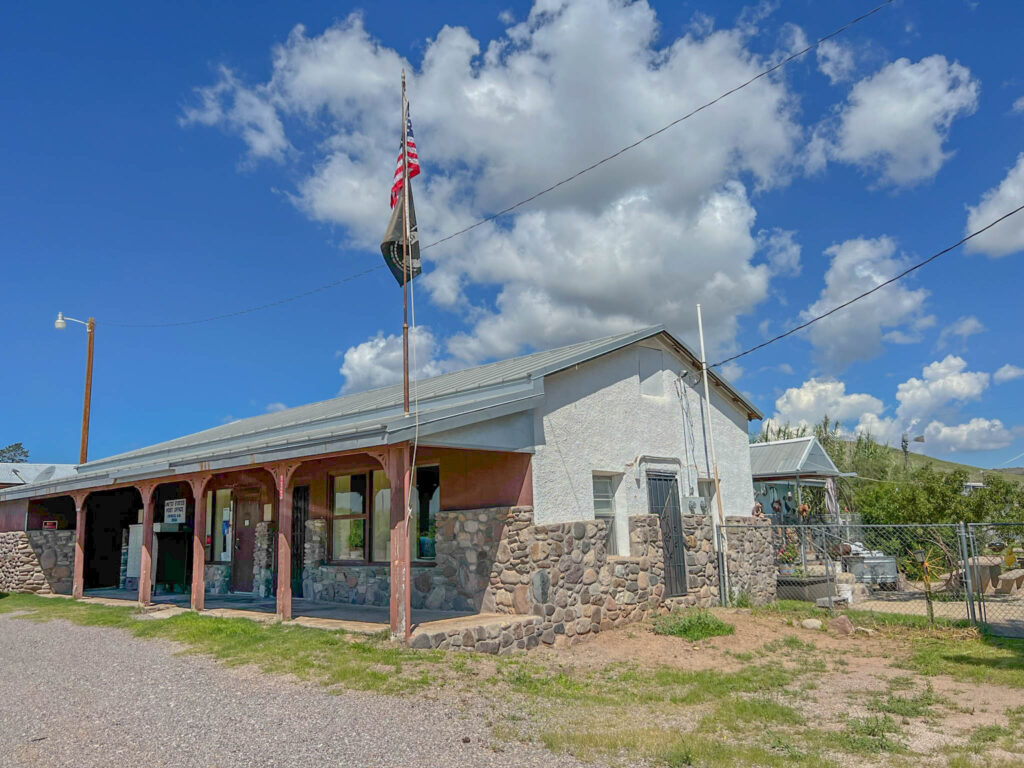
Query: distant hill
(1013,474)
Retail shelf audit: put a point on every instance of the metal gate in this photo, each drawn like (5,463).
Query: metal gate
(948,572)
(996,575)
(663,500)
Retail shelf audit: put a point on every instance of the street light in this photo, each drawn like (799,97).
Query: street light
(90,326)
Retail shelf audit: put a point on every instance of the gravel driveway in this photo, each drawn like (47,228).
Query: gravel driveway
(89,696)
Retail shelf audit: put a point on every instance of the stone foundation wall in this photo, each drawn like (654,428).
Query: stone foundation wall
(750,560)
(519,633)
(562,574)
(263,560)
(37,561)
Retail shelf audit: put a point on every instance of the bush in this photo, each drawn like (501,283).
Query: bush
(692,625)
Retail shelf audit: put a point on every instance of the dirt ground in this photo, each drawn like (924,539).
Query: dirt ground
(856,670)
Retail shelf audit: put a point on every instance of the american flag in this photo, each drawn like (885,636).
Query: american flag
(414,161)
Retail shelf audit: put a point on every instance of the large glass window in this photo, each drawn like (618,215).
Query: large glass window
(604,509)
(348,527)
(361,519)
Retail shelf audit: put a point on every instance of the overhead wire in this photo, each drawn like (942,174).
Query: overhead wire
(867,293)
(504,211)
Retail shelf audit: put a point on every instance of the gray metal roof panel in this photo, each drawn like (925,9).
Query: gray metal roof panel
(470,389)
(797,456)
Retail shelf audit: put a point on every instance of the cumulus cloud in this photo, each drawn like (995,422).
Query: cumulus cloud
(895,123)
(1018,105)
(641,240)
(835,60)
(377,362)
(808,403)
(963,328)
(975,435)
(1007,373)
(925,404)
(895,313)
(1007,236)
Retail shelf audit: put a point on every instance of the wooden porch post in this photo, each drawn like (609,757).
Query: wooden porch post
(282,476)
(199,543)
(78,582)
(146,567)
(399,477)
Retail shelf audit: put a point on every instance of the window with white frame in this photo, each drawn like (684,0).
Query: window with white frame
(604,509)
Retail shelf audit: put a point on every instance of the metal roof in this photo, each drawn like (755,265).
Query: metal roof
(797,457)
(366,419)
(19,473)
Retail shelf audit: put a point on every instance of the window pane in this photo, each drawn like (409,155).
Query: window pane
(604,501)
(426,502)
(381,525)
(349,491)
(348,538)
(222,526)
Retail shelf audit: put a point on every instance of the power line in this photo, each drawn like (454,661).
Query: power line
(546,190)
(891,280)
(664,128)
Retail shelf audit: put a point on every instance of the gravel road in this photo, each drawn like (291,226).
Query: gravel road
(89,696)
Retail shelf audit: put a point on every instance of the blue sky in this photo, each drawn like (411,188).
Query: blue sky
(165,164)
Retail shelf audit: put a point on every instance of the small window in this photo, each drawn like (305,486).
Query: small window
(604,509)
(219,520)
(426,502)
(381,523)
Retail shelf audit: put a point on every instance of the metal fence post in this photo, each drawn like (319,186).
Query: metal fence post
(723,578)
(961,533)
(829,574)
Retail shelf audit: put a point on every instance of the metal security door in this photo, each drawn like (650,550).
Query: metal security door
(300,511)
(663,500)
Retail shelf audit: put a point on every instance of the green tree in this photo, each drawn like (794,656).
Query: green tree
(14,453)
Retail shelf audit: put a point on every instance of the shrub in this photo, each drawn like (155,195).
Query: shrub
(692,625)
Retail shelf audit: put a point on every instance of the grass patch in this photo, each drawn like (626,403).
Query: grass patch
(921,705)
(331,658)
(971,658)
(692,625)
(739,714)
(869,736)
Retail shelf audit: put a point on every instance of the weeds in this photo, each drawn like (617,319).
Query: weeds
(692,625)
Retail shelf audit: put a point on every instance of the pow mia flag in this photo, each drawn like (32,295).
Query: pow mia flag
(391,245)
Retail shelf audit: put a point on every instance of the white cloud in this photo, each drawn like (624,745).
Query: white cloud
(964,327)
(1007,236)
(925,404)
(242,110)
(895,123)
(641,240)
(1007,373)
(856,333)
(808,403)
(942,382)
(275,407)
(781,250)
(975,435)
(377,362)
(835,60)
(1018,105)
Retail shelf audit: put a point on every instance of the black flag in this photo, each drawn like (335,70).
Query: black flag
(391,245)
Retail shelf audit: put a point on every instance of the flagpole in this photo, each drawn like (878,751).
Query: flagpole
(405,252)
(711,433)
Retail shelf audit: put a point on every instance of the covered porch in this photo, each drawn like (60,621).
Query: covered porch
(322,537)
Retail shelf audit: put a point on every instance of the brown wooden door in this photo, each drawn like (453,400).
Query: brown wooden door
(247,514)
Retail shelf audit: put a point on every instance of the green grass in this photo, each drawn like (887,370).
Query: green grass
(979,659)
(869,736)
(921,705)
(692,625)
(330,658)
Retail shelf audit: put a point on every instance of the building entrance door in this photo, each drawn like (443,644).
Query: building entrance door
(663,501)
(300,512)
(247,514)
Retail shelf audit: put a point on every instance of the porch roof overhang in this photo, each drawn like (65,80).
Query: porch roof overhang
(800,458)
(262,447)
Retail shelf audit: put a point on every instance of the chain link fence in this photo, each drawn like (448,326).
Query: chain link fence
(943,572)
